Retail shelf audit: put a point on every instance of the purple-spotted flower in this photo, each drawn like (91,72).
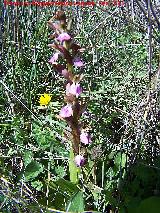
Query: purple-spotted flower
(63,37)
(74,89)
(78,62)
(79,160)
(66,111)
(54,58)
(85,138)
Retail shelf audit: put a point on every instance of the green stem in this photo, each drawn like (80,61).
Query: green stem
(73,169)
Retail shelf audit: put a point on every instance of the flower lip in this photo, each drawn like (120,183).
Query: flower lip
(79,160)
(65,73)
(54,58)
(85,137)
(78,62)
(66,111)
(73,89)
(63,37)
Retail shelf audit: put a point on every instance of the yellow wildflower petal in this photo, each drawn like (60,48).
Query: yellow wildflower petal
(44,99)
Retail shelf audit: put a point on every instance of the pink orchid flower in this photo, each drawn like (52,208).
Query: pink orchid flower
(54,58)
(74,89)
(79,160)
(66,111)
(85,138)
(63,37)
(78,62)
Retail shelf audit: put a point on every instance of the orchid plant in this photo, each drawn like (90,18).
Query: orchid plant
(69,52)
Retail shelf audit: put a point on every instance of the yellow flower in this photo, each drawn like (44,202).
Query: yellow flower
(44,99)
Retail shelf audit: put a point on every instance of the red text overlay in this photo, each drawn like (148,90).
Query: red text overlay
(65,3)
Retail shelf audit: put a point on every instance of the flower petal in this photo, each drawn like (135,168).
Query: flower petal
(74,89)
(63,37)
(78,62)
(65,73)
(85,138)
(44,99)
(66,111)
(79,160)
(54,58)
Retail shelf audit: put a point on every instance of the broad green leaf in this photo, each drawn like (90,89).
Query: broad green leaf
(27,157)
(37,185)
(144,173)
(76,203)
(120,160)
(149,205)
(33,170)
(63,186)
(132,205)
(60,171)
(60,192)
